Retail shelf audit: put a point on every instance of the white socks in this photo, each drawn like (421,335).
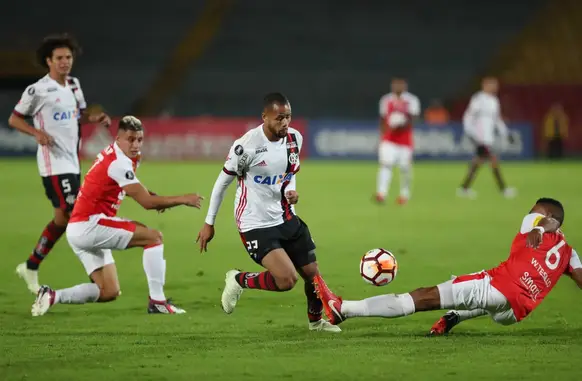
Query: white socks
(383,181)
(405,181)
(385,178)
(154,266)
(79,294)
(390,306)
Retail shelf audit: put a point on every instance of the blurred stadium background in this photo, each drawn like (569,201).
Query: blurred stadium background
(196,72)
(193,66)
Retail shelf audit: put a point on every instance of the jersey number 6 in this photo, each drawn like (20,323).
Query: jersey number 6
(554,252)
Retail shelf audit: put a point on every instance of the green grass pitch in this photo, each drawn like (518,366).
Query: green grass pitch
(436,235)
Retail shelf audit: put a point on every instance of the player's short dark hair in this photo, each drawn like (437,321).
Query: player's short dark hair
(130,123)
(271,98)
(55,41)
(557,208)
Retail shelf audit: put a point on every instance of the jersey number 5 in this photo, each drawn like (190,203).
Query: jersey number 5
(553,256)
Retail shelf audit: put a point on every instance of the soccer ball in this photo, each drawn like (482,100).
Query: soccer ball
(396,119)
(378,267)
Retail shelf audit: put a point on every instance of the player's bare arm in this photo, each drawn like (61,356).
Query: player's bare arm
(95,114)
(577,277)
(382,125)
(545,225)
(20,124)
(148,201)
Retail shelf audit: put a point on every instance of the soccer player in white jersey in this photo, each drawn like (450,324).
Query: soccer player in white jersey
(264,162)
(539,256)
(481,121)
(94,229)
(57,107)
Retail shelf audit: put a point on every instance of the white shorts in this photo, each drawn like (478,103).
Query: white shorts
(93,240)
(390,154)
(474,291)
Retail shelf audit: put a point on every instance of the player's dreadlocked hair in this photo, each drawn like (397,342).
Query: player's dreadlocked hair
(557,208)
(55,41)
(271,98)
(130,123)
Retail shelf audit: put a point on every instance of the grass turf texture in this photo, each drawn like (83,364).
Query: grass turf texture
(436,235)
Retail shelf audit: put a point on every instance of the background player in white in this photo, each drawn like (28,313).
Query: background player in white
(538,257)
(398,111)
(94,231)
(265,161)
(57,107)
(482,121)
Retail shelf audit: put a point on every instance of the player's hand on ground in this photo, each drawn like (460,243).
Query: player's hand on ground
(534,238)
(43,138)
(193,199)
(204,236)
(292,197)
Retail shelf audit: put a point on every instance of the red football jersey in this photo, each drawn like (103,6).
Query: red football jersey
(101,192)
(528,275)
(407,104)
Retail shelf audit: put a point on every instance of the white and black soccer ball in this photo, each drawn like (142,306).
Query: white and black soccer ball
(378,267)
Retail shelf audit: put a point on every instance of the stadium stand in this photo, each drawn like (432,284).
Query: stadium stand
(262,47)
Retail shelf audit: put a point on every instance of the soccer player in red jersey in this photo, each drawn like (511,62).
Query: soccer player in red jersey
(94,230)
(538,257)
(398,110)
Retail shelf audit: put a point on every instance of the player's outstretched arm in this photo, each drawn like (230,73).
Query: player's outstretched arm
(220,186)
(545,225)
(152,201)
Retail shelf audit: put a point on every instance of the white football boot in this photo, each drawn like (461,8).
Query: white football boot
(323,325)
(509,192)
(29,276)
(466,193)
(232,292)
(45,298)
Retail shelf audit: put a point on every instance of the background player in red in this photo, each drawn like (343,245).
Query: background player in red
(94,228)
(539,256)
(398,111)
(57,107)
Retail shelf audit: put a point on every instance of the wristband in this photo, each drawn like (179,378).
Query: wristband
(540,228)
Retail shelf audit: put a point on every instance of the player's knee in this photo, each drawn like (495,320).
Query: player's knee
(426,298)
(156,238)
(109,294)
(61,217)
(286,282)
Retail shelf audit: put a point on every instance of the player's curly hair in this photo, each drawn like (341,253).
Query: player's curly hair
(55,41)
(130,123)
(557,208)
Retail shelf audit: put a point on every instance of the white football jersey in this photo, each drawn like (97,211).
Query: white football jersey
(55,109)
(264,170)
(483,117)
